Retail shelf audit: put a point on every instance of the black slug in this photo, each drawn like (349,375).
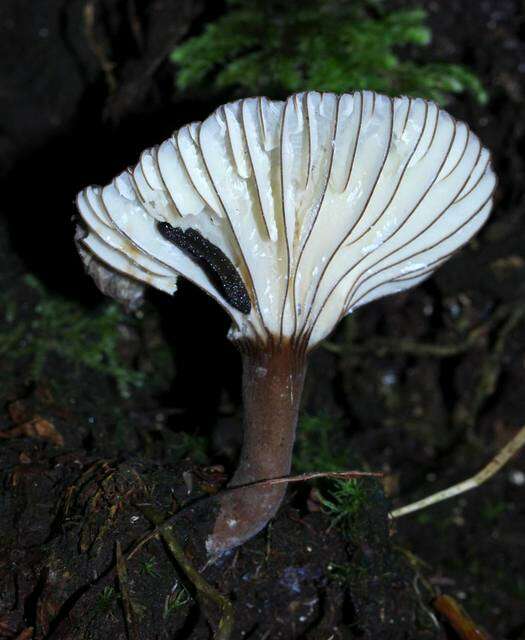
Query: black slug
(215,262)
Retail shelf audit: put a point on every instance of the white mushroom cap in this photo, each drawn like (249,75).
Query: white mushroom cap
(293,214)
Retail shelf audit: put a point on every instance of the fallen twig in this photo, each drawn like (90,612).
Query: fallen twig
(466,412)
(458,619)
(382,346)
(98,49)
(482,476)
(303,477)
(203,587)
(127,604)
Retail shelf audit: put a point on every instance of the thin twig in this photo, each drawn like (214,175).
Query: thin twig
(314,475)
(458,619)
(482,476)
(97,48)
(467,411)
(382,346)
(149,536)
(203,587)
(298,478)
(303,477)
(405,346)
(122,572)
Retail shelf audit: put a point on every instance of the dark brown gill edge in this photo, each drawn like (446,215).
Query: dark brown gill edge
(273,380)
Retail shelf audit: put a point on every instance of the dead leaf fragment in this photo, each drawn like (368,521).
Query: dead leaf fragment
(210,479)
(506,264)
(35,428)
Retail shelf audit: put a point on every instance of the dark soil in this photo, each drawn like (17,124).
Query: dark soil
(426,386)
(65,514)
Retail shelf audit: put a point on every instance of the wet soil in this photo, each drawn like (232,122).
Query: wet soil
(425,387)
(65,515)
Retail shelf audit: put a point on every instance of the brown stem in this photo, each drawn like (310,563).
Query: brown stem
(273,380)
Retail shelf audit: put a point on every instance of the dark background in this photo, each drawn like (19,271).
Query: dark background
(426,417)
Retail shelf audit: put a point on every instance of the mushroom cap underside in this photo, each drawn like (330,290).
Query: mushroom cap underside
(293,213)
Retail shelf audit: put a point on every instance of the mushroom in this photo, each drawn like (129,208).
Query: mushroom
(290,215)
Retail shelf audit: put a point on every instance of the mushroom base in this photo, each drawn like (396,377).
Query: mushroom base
(273,380)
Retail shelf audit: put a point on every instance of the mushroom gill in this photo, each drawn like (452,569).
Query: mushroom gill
(291,215)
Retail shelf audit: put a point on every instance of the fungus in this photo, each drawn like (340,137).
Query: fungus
(291,215)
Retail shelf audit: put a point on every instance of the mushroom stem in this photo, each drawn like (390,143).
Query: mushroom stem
(273,380)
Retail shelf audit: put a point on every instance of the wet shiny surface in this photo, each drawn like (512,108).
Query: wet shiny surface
(321,204)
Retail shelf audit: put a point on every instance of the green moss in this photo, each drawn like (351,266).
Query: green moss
(343,501)
(188,445)
(106,600)
(347,574)
(149,567)
(277,47)
(316,449)
(54,325)
(180,598)
(492,510)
